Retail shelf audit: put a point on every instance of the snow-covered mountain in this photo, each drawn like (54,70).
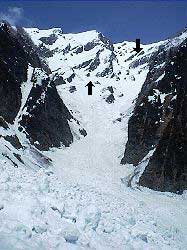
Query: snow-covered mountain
(66,182)
(119,73)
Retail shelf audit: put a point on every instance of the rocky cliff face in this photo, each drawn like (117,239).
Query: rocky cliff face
(28,95)
(13,71)
(159,122)
(45,117)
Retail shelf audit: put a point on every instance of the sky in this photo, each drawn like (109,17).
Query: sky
(118,20)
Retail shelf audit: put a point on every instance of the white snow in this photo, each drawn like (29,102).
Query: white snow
(160,77)
(39,211)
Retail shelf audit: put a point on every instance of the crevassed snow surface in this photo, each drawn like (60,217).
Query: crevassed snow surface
(83,201)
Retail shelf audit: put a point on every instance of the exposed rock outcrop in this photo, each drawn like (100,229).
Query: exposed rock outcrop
(159,121)
(44,117)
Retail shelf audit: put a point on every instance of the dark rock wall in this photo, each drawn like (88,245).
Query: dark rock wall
(46,117)
(13,69)
(16,52)
(159,121)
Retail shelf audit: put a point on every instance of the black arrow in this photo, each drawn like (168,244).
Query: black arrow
(90,85)
(138,49)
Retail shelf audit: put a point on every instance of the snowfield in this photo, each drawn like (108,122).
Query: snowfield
(39,211)
(86,199)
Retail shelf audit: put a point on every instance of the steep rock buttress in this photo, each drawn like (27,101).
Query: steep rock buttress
(42,116)
(159,121)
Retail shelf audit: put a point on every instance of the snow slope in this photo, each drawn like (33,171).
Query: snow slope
(37,211)
(83,201)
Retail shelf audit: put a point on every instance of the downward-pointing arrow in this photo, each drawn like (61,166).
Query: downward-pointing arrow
(138,49)
(90,85)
